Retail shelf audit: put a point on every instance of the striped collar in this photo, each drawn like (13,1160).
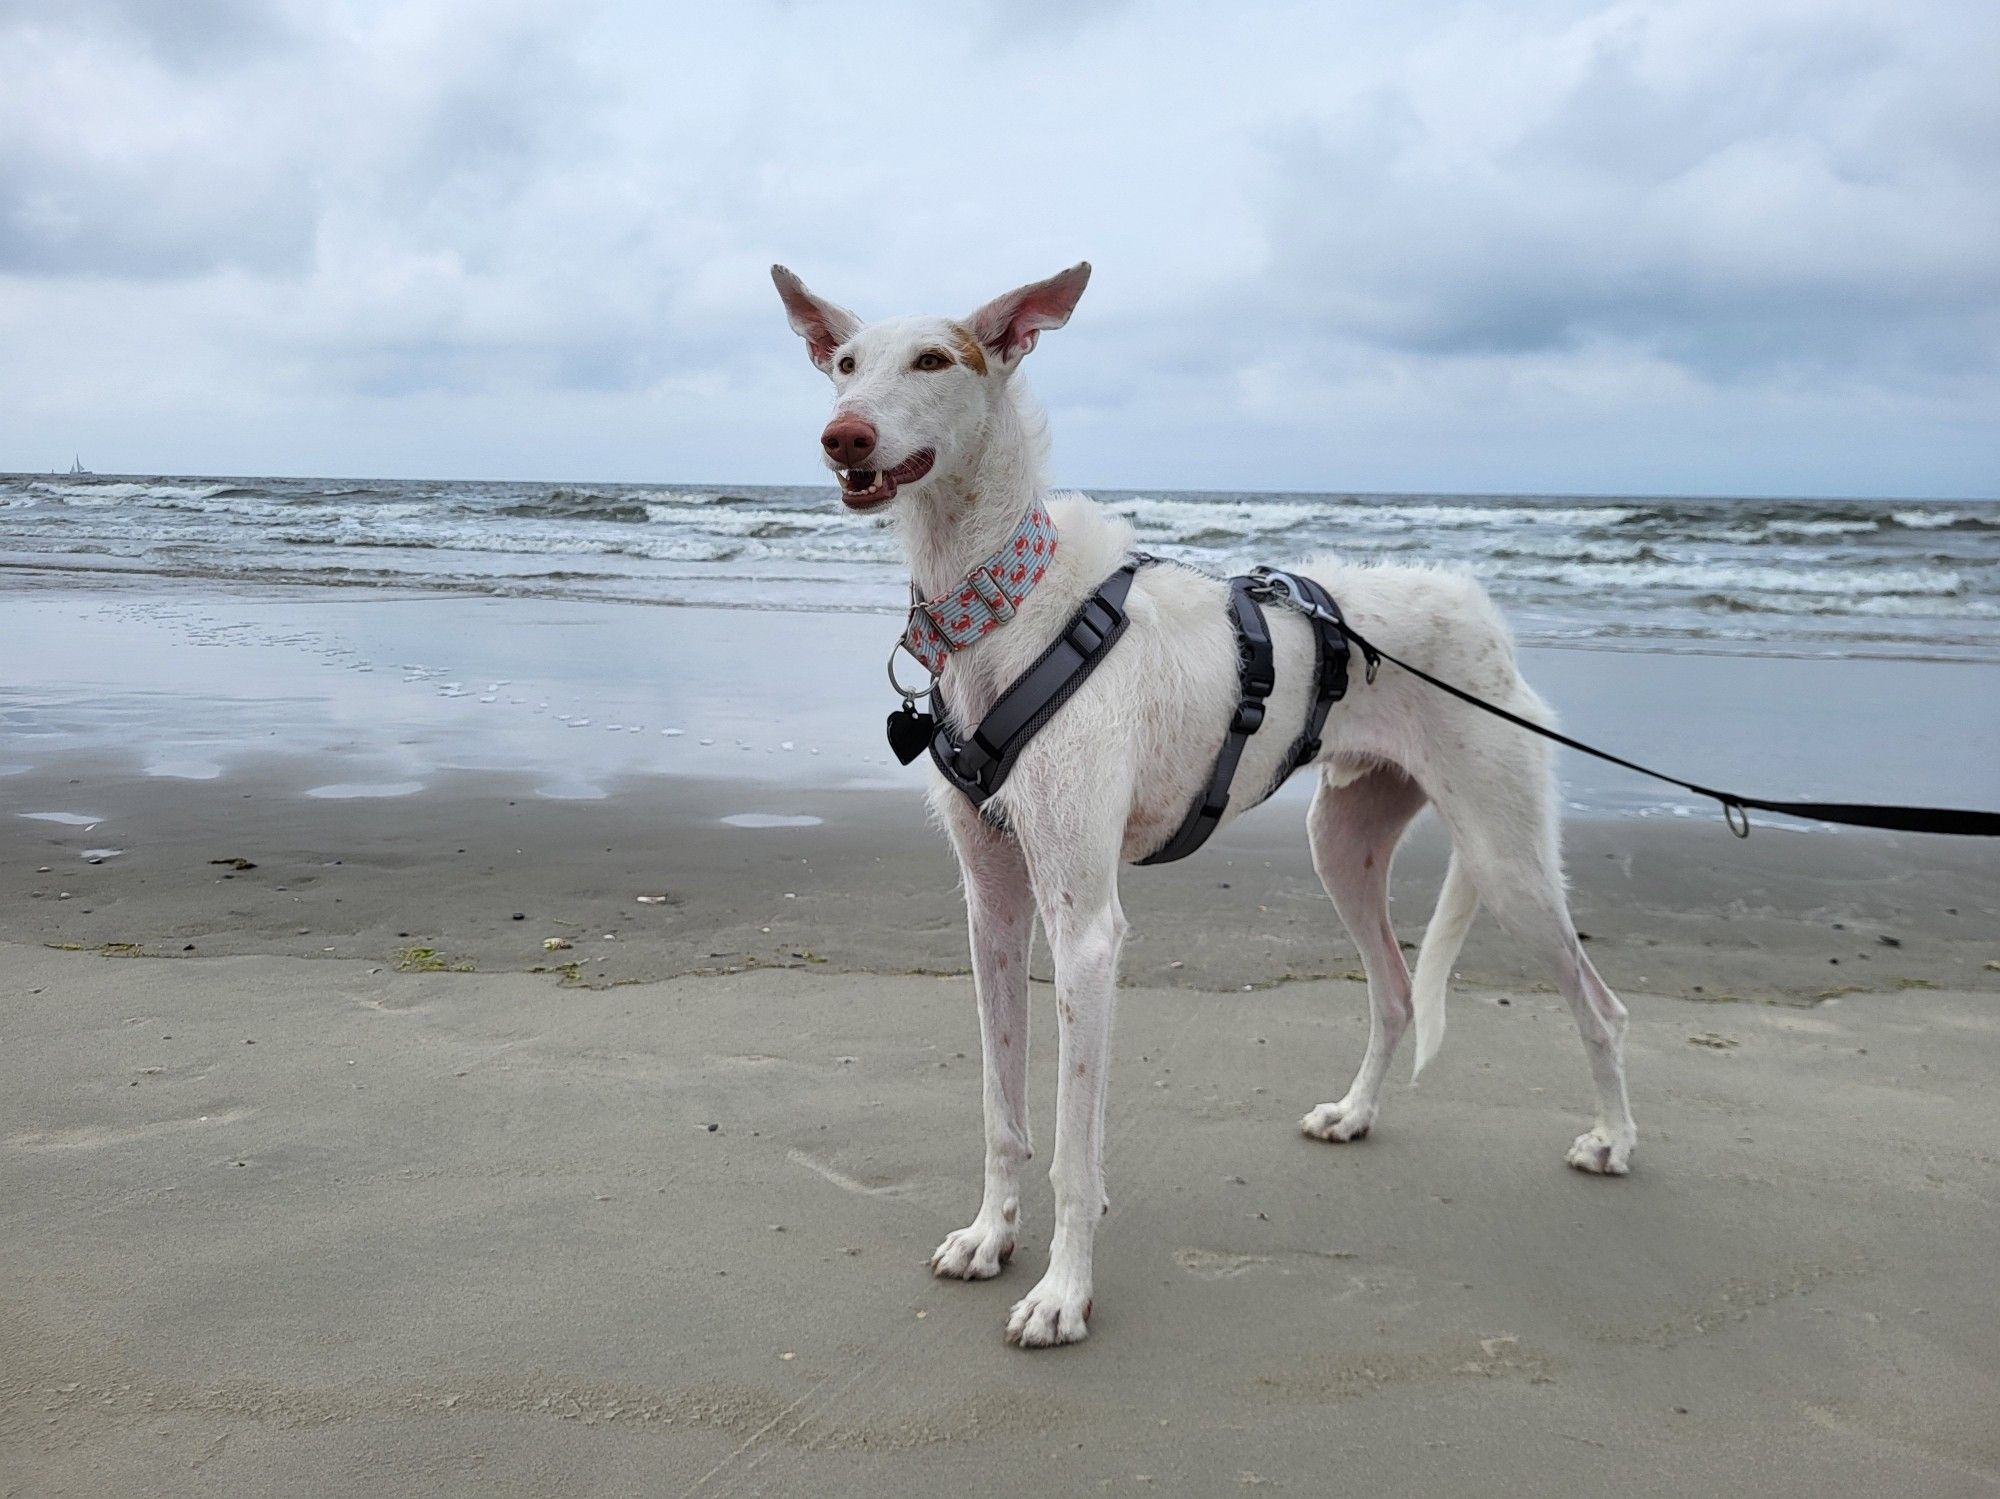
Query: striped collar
(986,597)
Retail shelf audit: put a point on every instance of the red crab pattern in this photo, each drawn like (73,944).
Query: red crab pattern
(959,616)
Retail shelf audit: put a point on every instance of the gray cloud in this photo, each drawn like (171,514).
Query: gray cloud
(1554,245)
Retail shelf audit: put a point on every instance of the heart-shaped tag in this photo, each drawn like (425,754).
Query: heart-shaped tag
(910,733)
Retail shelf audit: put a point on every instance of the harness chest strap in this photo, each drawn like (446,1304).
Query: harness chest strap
(979,763)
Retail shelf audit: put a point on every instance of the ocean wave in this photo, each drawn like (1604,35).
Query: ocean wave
(1778,526)
(1946,520)
(681,549)
(90,495)
(600,508)
(1747,581)
(1879,606)
(1831,572)
(1210,522)
(1564,549)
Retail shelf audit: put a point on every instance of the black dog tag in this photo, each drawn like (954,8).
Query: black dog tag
(910,733)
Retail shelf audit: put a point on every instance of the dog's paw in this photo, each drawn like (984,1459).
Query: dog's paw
(1056,1311)
(1602,1152)
(1338,1122)
(977,1252)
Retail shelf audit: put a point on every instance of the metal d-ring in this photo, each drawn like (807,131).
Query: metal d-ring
(1737,816)
(909,695)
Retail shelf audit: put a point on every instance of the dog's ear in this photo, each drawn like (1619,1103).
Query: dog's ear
(1009,325)
(823,325)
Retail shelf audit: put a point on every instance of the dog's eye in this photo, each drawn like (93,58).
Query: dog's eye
(933,359)
(846,365)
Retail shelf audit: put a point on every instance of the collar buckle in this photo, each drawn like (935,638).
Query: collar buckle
(985,582)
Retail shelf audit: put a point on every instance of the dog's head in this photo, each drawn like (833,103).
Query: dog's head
(914,394)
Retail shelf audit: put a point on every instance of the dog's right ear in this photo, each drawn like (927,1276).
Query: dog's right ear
(1009,325)
(823,325)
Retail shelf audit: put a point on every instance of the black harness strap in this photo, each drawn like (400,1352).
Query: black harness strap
(1256,675)
(978,763)
(1256,672)
(1330,657)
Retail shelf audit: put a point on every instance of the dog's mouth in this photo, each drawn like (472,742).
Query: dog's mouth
(866,488)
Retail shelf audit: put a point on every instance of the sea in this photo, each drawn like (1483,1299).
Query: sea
(1908,578)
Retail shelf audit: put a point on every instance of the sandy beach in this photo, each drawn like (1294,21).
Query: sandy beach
(485,1014)
(324,1175)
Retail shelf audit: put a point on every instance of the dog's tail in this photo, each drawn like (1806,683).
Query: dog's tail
(1457,904)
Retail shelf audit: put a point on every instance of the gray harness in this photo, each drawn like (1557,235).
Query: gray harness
(979,762)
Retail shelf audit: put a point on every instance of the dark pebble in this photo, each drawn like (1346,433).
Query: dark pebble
(711,1128)
(1887,941)
(1505,1000)
(520,915)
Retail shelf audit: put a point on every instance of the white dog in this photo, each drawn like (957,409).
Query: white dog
(929,415)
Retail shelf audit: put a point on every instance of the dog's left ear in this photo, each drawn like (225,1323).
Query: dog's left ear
(1009,325)
(824,325)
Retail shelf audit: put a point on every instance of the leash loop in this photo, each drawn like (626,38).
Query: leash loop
(1737,816)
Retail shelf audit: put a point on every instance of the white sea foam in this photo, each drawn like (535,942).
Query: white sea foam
(1746,580)
(1776,571)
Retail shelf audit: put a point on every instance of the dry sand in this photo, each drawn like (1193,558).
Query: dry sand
(277,1218)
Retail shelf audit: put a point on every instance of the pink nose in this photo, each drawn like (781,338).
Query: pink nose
(848,441)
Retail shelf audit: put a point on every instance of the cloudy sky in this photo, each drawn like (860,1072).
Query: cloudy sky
(1720,246)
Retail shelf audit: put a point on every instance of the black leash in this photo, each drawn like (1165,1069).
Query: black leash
(978,762)
(1735,809)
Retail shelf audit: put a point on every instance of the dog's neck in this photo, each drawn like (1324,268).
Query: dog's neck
(968,512)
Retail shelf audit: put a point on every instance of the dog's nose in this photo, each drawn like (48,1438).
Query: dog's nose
(848,441)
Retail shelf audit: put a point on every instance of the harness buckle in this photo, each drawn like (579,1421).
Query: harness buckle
(1249,716)
(1092,625)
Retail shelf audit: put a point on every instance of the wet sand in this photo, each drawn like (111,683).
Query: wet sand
(325,1176)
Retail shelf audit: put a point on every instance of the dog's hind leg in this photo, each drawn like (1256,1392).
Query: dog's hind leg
(1355,826)
(1000,912)
(1458,903)
(1500,807)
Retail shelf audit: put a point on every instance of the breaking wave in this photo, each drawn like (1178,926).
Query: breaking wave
(1834,574)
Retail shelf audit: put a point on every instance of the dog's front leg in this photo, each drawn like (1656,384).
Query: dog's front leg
(1000,913)
(1086,926)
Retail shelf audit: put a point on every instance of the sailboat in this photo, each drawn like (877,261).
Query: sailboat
(76,464)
